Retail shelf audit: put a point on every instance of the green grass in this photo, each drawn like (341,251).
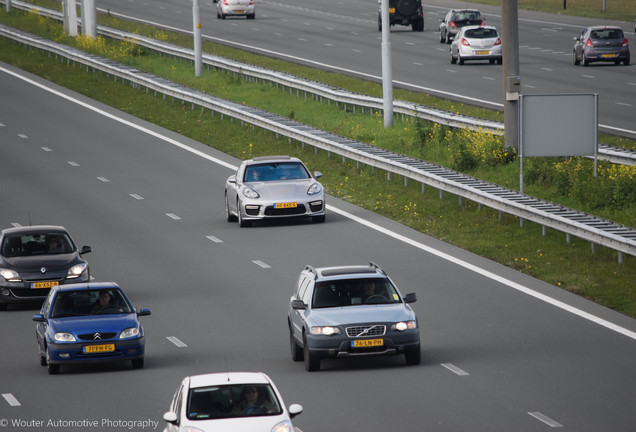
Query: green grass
(596,276)
(618,10)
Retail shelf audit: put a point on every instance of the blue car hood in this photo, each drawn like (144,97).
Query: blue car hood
(89,324)
(362,314)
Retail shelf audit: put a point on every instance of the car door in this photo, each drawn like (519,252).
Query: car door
(578,45)
(298,316)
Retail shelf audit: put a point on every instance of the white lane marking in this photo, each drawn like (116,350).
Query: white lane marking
(262,264)
(597,320)
(11,400)
(489,78)
(545,419)
(15,224)
(588,76)
(451,367)
(500,279)
(2,125)
(137,197)
(624,104)
(547,69)
(214,239)
(176,341)
(103,179)
(173,216)
(23,136)
(72,163)
(46,149)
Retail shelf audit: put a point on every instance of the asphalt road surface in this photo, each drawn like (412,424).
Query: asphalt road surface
(501,351)
(343,36)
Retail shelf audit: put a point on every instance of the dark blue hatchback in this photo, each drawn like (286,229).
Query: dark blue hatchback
(89,322)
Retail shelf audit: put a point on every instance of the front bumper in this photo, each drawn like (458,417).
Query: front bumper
(257,210)
(21,292)
(69,353)
(340,346)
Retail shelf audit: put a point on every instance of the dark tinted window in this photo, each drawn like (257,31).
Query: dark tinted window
(83,302)
(481,33)
(236,400)
(37,244)
(607,34)
(276,171)
(352,292)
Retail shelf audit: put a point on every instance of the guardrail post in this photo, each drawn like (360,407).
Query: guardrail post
(568,239)
(620,257)
(543,230)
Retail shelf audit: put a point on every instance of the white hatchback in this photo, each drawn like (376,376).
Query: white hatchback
(229,401)
(225,8)
(476,43)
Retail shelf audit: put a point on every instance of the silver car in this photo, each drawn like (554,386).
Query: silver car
(339,312)
(601,44)
(273,187)
(225,8)
(476,43)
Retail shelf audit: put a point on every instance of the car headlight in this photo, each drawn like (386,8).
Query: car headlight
(64,337)
(10,275)
(284,426)
(404,325)
(76,270)
(250,193)
(325,330)
(314,189)
(129,333)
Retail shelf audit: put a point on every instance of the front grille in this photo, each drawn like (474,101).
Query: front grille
(91,336)
(371,330)
(271,211)
(252,210)
(315,206)
(26,292)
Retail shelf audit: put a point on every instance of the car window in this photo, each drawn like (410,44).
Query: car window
(302,286)
(231,401)
(275,171)
(354,292)
(481,33)
(36,244)
(83,302)
(607,34)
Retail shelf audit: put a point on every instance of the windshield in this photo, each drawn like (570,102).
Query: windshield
(236,400)
(354,292)
(95,302)
(607,34)
(481,33)
(276,171)
(37,244)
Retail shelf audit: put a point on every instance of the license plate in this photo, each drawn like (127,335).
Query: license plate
(391,10)
(482,52)
(89,349)
(45,284)
(286,205)
(239,11)
(609,55)
(365,343)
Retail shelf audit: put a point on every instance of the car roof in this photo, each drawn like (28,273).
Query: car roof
(85,286)
(343,272)
(603,27)
(270,159)
(34,229)
(225,378)
(472,27)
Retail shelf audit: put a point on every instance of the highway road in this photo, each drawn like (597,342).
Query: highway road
(343,36)
(501,351)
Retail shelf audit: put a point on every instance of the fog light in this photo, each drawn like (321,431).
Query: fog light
(5,292)
(65,356)
(132,351)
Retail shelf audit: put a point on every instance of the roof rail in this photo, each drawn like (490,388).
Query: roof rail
(260,158)
(374,265)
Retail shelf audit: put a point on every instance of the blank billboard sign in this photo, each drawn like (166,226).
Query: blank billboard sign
(558,124)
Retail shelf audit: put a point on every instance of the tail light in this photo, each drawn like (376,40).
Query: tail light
(465,42)
(625,42)
(452,24)
(589,43)
(498,42)
(251,2)
(483,23)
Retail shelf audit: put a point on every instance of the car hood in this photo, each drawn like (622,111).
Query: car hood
(36,262)
(243,424)
(362,314)
(89,324)
(282,190)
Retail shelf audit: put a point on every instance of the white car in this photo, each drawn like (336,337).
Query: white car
(225,8)
(229,401)
(476,43)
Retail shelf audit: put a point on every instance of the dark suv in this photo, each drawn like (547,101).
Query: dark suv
(350,311)
(404,12)
(456,19)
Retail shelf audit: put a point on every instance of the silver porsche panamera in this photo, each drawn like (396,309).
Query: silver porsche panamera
(273,187)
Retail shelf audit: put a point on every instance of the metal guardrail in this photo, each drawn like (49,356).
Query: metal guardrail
(573,222)
(605,152)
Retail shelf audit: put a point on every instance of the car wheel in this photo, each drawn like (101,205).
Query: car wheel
(42,360)
(138,363)
(460,59)
(297,353)
(252,16)
(448,39)
(499,61)
(312,363)
(414,357)
(242,223)
(53,369)
(228,213)
(442,38)
(318,219)
(379,23)
(453,59)
(586,62)
(491,61)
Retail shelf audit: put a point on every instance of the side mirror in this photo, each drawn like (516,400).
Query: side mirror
(410,298)
(297,304)
(85,250)
(294,410)
(143,312)
(38,318)
(232,179)
(170,417)
(317,174)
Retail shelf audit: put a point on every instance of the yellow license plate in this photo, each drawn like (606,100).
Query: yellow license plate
(239,11)
(46,284)
(286,205)
(483,52)
(90,349)
(392,10)
(365,343)
(609,55)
